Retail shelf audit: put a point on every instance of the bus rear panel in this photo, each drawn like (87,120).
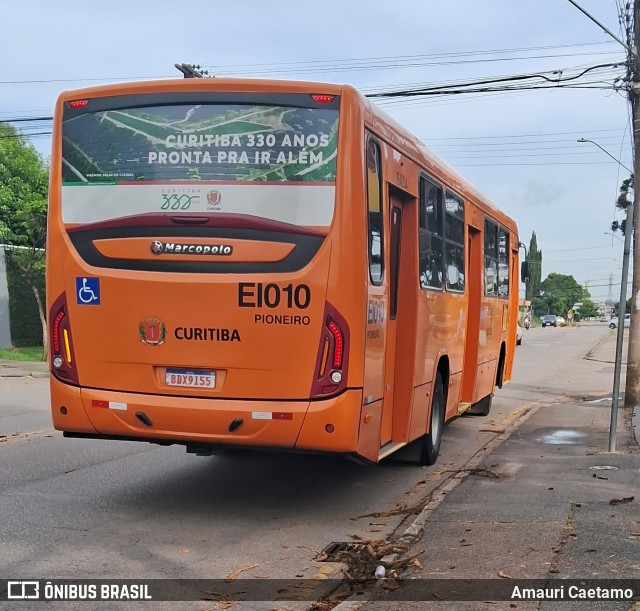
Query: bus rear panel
(189,255)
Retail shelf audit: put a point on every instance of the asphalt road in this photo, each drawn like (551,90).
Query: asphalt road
(98,509)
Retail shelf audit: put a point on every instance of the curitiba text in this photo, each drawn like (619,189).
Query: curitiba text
(250,140)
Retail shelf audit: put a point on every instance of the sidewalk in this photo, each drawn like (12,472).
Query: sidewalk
(20,369)
(550,503)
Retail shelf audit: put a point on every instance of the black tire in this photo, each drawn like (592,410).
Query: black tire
(432,440)
(519,342)
(612,326)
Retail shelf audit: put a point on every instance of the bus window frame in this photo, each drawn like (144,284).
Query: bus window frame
(451,242)
(490,256)
(506,262)
(372,141)
(429,181)
(495,257)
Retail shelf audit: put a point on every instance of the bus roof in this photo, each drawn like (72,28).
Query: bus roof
(421,153)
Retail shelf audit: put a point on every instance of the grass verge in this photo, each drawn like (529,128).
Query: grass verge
(33,353)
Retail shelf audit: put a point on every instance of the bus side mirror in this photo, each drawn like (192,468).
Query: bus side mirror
(524,271)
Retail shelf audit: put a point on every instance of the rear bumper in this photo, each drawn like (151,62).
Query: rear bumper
(301,425)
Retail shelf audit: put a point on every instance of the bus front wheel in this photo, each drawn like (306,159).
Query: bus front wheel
(432,440)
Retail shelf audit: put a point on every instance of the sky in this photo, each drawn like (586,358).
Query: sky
(519,148)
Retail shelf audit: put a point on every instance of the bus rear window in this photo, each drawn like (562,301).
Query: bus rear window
(194,157)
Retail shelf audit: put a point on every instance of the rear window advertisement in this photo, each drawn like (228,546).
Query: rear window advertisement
(213,142)
(272,162)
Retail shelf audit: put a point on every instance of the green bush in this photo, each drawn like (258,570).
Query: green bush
(26,329)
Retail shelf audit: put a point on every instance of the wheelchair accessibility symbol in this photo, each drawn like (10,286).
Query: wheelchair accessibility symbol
(88,291)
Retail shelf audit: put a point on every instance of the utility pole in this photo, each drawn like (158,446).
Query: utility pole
(632,387)
(191,70)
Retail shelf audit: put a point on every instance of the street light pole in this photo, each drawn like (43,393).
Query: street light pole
(620,336)
(605,28)
(621,311)
(632,388)
(608,153)
(613,235)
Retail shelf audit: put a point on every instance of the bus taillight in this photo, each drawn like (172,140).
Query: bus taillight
(56,331)
(78,103)
(331,365)
(62,361)
(338,343)
(323,99)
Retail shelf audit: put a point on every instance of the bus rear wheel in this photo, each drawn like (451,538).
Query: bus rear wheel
(432,440)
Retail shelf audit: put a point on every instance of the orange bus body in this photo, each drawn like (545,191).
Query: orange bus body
(348,297)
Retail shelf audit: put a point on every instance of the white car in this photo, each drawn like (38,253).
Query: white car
(613,323)
(519,335)
(560,320)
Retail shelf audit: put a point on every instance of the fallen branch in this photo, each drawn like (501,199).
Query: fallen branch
(398,510)
(234,574)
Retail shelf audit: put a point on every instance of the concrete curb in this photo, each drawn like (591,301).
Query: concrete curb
(414,531)
(22,369)
(25,374)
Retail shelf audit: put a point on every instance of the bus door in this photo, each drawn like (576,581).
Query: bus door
(474,274)
(513,310)
(395,227)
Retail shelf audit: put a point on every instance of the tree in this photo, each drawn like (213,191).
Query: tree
(558,293)
(534,257)
(23,211)
(622,203)
(627,307)
(587,309)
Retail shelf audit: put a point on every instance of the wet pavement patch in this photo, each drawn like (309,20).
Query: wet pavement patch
(560,437)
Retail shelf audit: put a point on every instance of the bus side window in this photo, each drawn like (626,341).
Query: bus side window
(374,207)
(503,263)
(490,258)
(430,235)
(454,241)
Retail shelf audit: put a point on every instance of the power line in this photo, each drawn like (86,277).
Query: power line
(394,64)
(411,57)
(551,163)
(594,131)
(381,62)
(490,83)
(574,249)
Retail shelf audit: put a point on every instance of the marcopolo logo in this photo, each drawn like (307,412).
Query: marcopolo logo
(173,248)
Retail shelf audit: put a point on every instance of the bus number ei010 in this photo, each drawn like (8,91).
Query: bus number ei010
(258,295)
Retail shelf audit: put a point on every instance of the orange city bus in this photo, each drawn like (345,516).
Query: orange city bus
(268,265)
